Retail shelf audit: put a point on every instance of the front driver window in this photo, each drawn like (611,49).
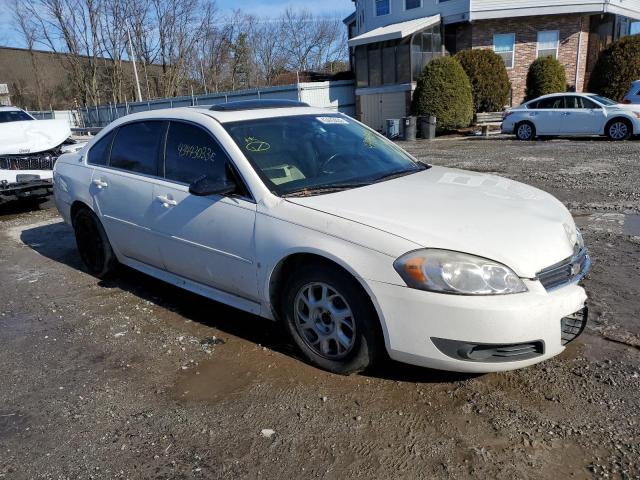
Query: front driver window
(192,153)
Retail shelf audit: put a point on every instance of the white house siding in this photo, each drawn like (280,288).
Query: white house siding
(451,11)
(628,8)
(486,9)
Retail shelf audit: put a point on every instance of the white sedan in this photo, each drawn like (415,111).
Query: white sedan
(572,114)
(308,217)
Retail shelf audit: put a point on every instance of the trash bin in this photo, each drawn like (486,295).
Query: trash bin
(409,124)
(428,127)
(393,128)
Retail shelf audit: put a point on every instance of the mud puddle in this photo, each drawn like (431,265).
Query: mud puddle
(616,223)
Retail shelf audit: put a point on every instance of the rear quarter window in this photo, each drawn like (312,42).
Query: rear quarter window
(99,153)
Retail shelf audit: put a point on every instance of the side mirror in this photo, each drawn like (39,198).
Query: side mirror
(205,186)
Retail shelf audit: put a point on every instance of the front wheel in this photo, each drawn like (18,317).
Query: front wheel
(331,320)
(619,130)
(525,131)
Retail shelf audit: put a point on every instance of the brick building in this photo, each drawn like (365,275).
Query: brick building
(392,40)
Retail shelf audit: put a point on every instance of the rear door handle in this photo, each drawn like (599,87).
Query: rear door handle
(100,184)
(166,201)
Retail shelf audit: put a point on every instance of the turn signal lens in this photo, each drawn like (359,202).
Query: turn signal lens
(445,271)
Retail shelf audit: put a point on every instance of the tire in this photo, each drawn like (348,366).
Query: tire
(525,131)
(344,343)
(619,129)
(93,244)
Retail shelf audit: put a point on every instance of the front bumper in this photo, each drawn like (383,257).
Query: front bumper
(507,127)
(414,321)
(25,190)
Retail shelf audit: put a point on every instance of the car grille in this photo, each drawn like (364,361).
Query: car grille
(571,270)
(28,162)
(573,325)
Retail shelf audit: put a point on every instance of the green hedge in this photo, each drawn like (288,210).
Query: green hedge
(546,75)
(444,90)
(489,79)
(618,65)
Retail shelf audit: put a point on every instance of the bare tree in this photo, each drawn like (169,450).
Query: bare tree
(70,27)
(181,45)
(310,42)
(27,29)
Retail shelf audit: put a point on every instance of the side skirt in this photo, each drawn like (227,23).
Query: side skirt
(195,287)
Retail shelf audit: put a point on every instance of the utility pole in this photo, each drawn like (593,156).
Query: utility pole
(135,69)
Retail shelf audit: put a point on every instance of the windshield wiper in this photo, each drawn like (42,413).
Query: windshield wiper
(397,174)
(325,188)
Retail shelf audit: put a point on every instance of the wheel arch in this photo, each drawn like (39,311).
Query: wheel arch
(288,263)
(624,118)
(76,206)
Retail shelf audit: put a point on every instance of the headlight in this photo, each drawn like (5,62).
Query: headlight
(445,271)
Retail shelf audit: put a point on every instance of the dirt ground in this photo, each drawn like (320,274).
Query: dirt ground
(133,378)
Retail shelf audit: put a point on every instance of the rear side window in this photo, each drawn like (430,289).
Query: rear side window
(550,103)
(136,147)
(191,152)
(99,153)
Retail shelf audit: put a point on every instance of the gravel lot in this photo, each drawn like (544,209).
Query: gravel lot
(133,378)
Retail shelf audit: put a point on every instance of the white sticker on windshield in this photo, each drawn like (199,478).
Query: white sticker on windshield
(333,120)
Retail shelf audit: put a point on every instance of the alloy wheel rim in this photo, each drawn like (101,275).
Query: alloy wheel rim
(618,130)
(524,132)
(324,320)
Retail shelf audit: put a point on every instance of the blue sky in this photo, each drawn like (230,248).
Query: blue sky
(261,8)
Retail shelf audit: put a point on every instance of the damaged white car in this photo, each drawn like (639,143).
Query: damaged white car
(28,151)
(307,216)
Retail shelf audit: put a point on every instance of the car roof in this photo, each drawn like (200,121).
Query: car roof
(233,115)
(562,94)
(240,105)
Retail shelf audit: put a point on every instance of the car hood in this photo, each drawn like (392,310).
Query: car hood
(32,136)
(485,215)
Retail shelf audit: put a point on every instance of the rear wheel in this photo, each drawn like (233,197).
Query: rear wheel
(93,244)
(619,129)
(525,131)
(330,319)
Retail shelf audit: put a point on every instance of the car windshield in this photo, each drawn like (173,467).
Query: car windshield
(604,100)
(314,154)
(14,116)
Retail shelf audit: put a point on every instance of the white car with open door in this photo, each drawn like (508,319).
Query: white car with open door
(572,114)
(306,216)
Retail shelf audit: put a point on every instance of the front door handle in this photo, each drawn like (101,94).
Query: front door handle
(100,183)
(166,201)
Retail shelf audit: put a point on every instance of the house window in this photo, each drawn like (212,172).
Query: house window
(548,43)
(634,29)
(504,45)
(382,7)
(411,4)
